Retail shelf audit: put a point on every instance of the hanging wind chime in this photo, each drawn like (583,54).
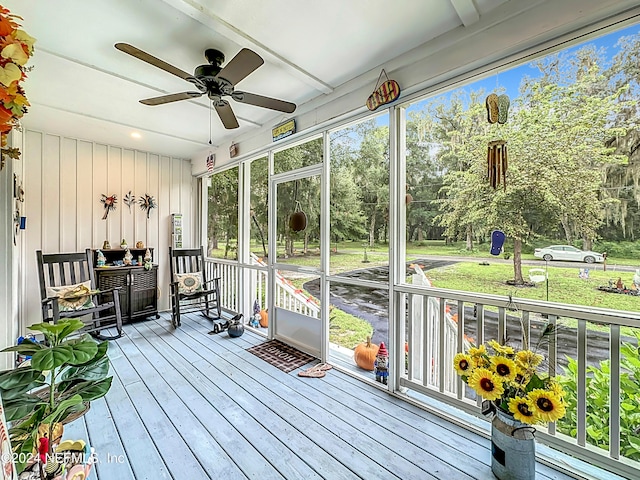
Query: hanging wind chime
(497,163)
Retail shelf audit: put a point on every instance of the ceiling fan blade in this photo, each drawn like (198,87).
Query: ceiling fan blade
(225,113)
(174,97)
(245,62)
(150,59)
(265,102)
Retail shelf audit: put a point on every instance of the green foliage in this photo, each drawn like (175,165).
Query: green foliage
(598,402)
(65,373)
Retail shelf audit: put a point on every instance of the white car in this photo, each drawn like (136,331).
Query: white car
(568,252)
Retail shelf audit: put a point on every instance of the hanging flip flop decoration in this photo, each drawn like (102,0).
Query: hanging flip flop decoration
(147,203)
(497,163)
(383,93)
(109,204)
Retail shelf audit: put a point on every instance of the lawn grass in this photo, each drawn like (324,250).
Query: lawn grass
(564,284)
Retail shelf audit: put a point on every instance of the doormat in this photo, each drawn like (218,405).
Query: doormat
(281,355)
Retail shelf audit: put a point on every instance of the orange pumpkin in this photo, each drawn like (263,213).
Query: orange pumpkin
(264,319)
(365,354)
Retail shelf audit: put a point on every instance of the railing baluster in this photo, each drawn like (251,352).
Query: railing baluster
(581,358)
(441,344)
(460,348)
(429,340)
(614,393)
(553,358)
(502,326)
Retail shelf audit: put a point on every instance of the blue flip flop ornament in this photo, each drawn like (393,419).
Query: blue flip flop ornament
(497,240)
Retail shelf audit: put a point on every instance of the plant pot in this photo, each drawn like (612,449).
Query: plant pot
(513,448)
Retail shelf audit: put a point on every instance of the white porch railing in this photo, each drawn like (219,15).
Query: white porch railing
(588,335)
(287,296)
(425,323)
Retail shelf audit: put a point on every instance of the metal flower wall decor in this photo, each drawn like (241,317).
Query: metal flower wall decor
(16,46)
(147,203)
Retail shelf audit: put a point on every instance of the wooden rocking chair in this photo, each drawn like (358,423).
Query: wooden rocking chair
(68,290)
(190,290)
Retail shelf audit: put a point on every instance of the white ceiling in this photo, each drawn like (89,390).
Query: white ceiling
(81,86)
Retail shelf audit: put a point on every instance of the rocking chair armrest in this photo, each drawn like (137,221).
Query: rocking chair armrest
(216,279)
(107,290)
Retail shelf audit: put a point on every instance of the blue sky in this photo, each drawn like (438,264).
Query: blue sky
(510,79)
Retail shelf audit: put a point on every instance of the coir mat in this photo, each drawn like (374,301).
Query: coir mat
(281,355)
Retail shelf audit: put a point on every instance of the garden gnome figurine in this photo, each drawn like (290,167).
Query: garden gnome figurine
(619,284)
(255,318)
(147,260)
(128,257)
(381,365)
(101,261)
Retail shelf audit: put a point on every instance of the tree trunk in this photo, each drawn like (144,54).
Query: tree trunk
(587,244)
(306,243)
(567,229)
(517,261)
(420,233)
(372,230)
(469,237)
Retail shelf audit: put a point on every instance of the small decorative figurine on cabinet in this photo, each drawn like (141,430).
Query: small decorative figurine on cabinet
(128,257)
(123,244)
(147,260)
(139,244)
(106,245)
(381,365)
(101,261)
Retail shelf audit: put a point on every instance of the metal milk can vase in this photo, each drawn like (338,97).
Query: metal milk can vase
(513,448)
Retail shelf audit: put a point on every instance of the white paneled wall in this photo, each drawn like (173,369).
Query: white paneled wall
(63,181)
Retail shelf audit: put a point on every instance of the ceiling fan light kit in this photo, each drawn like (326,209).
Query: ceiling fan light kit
(214,81)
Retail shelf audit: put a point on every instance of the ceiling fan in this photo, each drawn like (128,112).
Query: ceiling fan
(215,81)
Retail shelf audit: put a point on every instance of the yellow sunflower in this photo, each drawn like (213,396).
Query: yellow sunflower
(556,388)
(528,359)
(462,363)
(505,367)
(547,405)
(486,384)
(523,410)
(522,378)
(477,352)
(501,349)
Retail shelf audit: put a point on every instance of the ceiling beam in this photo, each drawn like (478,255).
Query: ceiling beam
(204,15)
(467,11)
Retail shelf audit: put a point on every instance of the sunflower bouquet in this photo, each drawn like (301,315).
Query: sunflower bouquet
(511,381)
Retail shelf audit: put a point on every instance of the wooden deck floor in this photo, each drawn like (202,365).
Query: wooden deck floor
(188,406)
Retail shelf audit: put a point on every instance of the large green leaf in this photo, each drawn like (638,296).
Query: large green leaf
(91,371)
(51,358)
(82,351)
(27,347)
(19,377)
(20,408)
(57,332)
(59,413)
(21,392)
(91,390)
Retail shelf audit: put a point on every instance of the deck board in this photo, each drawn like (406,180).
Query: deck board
(185,404)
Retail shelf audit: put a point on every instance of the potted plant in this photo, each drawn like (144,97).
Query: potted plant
(65,373)
(521,396)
